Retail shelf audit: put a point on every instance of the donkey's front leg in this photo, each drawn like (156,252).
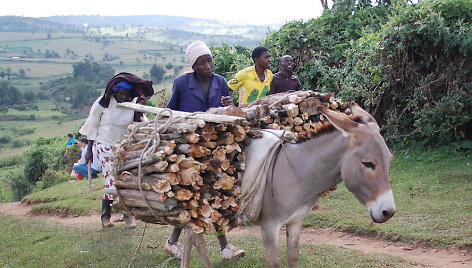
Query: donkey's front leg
(270,235)
(293,242)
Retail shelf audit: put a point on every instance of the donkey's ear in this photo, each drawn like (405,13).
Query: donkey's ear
(340,121)
(365,116)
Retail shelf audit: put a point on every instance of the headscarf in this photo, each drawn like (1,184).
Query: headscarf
(195,50)
(123,85)
(142,89)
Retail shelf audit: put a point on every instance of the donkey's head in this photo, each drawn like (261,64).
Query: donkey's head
(365,166)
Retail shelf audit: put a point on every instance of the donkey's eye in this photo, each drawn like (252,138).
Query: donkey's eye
(368,164)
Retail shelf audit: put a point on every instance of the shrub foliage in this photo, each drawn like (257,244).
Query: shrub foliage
(409,65)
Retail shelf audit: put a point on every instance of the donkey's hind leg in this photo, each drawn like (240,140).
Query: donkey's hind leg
(293,242)
(270,235)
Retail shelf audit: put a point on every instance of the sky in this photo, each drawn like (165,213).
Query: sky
(241,11)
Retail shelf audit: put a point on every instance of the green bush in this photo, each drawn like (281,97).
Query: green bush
(230,59)
(409,65)
(35,165)
(319,45)
(45,155)
(414,76)
(20,185)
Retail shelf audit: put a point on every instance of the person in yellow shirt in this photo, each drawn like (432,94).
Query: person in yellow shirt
(253,82)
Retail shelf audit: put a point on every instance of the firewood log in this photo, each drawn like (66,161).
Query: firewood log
(239,132)
(257,111)
(221,127)
(190,176)
(176,114)
(205,210)
(208,144)
(308,105)
(225,138)
(135,162)
(228,110)
(233,147)
(158,182)
(184,217)
(167,203)
(173,168)
(144,211)
(133,155)
(225,183)
(154,167)
(297,121)
(182,194)
(291,109)
(208,133)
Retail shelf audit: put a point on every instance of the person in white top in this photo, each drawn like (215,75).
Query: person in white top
(106,125)
(80,167)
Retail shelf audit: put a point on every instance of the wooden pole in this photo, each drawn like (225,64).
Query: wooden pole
(214,118)
(89,170)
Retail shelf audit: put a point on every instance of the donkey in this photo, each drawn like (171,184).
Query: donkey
(354,152)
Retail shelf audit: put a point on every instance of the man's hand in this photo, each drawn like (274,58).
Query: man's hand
(226,101)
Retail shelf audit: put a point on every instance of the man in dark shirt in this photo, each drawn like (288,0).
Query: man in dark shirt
(197,91)
(284,80)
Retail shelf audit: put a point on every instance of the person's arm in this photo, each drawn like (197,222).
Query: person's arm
(226,99)
(299,85)
(175,98)
(92,124)
(237,81)
(273,86)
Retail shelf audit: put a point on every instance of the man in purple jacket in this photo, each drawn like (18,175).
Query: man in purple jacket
(198,91)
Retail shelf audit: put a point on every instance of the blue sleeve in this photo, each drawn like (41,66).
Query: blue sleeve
(174,99)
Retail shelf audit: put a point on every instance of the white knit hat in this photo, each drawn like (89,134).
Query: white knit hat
(195,50)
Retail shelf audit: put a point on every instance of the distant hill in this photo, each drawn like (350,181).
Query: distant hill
(26,24)
(205,26)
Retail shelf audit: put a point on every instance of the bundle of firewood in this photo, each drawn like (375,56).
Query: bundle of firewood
(186,172)
(294,112)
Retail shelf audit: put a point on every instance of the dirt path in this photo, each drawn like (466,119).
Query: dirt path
(418,255)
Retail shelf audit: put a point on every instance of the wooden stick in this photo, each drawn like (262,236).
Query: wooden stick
(177,114)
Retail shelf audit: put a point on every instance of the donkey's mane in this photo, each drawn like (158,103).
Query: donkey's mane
(327,127)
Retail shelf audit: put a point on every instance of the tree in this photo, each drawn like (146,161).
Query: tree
(10,94)
(22,73)
(8,72)
(157,73)
(169,66)
(29,96)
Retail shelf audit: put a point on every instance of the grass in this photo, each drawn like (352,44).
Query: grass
(38,243)
(69,197)
(432,194)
